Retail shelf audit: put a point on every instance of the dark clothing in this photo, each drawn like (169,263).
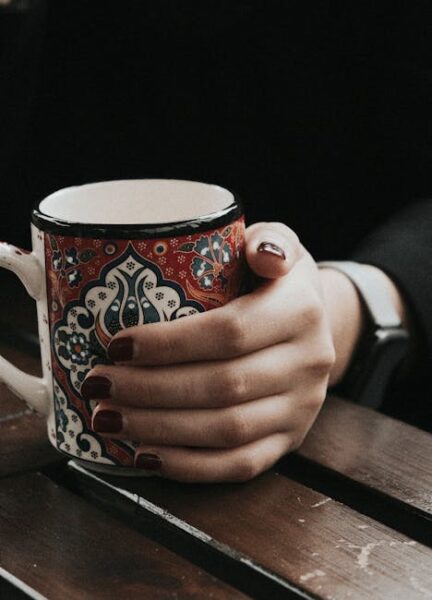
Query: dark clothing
(319,117)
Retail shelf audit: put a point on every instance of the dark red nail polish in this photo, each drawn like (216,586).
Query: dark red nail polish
(271,248)
(107,421)
(121,349)
(150,462)
(96,387)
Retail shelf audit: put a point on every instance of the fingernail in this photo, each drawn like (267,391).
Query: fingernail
(121,349)
(271,248)
(107,421)
(150,462)
(96,387)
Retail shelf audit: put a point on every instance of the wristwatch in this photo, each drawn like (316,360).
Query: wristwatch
(384,342)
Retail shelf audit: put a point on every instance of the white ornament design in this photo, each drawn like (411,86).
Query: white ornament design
(72,437)
(131,291)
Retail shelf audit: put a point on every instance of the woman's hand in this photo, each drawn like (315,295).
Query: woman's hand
(222,395)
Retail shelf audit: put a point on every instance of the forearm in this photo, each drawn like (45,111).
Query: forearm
(347,315)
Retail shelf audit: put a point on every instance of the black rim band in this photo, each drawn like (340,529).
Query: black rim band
(137,231)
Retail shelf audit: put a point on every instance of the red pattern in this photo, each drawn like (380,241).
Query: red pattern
(73,262)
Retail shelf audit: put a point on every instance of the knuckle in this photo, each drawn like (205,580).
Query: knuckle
(312,311)
(234,333)
(314,398)
(246,469)
(323,360)
(314,401)
(329,357)
(330,349)
(235,429)
(234,385)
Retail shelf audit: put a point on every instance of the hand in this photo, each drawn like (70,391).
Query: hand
(222,395)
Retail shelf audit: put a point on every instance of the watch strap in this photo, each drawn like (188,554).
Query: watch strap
(383,344)
(374,295)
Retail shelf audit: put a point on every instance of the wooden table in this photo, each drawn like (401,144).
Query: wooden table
(348,516)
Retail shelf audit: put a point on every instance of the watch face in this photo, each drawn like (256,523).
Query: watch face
(392,345)
(378,355)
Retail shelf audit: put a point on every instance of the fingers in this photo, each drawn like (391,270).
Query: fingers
(272,249)
(222,395)
(212,384)
(211,466)
(271,314)
(213,428)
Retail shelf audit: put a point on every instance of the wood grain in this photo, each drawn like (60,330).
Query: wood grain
(24,443)
(62,547)
(310,540)
(378,451)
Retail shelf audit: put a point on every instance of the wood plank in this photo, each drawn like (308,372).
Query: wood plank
(300,536)
(24,442)
(373,449)
(376,464)
(62,547)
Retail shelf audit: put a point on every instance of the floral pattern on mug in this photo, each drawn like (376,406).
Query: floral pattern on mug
(98,287)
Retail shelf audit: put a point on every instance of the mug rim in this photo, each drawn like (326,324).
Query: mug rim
(215,219)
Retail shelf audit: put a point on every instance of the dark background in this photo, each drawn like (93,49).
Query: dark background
(318,114)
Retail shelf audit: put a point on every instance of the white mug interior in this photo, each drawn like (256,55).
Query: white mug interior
(136,201)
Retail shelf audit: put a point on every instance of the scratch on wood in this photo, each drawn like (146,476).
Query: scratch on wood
(365,551)
(321,503)
(312,575)
(364,554)
(363,557)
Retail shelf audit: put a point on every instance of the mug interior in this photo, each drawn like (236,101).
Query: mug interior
(137,201)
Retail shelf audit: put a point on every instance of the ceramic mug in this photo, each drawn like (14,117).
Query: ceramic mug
(107,256)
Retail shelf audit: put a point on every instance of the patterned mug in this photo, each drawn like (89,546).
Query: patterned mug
(107,256)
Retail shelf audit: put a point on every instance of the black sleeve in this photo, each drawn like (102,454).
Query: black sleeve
(401,140)
(402,248)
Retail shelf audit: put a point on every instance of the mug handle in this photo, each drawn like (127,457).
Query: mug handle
(34,390)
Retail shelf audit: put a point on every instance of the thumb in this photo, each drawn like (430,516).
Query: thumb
(272,249)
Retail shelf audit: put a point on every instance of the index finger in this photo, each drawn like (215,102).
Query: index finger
(267,316)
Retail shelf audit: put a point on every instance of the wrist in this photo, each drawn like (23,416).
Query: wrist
(346,317)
